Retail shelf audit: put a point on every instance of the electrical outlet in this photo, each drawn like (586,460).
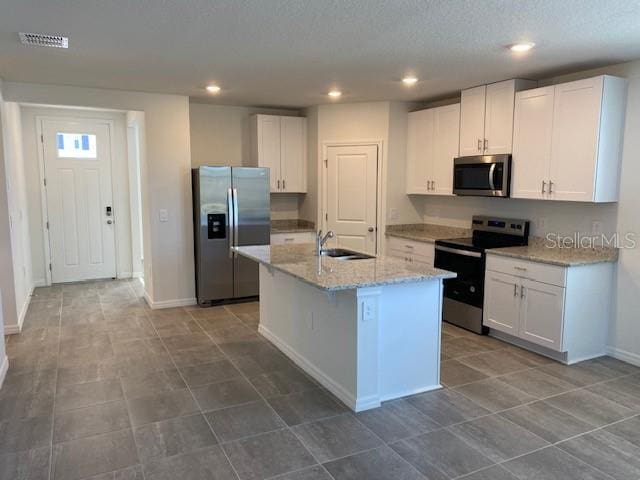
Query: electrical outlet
(163,215)
(393,214)
(596,227)
(368,311)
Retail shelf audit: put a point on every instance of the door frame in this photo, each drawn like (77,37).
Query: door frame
(46,239)
(381,192)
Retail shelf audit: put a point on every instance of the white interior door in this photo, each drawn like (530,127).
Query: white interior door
(77,168)
(352,177)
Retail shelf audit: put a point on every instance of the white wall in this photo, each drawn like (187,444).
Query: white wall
(119,173)
(166,178)
(221,135)
(135,152)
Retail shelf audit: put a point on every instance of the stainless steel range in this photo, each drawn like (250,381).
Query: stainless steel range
(464,295)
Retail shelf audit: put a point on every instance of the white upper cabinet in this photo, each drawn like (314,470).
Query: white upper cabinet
(533,121)
(568,139)
(432,144)
(280,144)
(486,117)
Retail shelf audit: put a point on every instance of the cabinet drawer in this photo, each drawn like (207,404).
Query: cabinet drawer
(539,272)
(409,247)
(297,237)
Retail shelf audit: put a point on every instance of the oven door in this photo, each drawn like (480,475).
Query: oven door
(482,175)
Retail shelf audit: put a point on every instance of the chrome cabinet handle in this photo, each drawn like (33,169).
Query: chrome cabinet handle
(283,184)
(479,144)
(522,290)
(544,184)
(486,144)
(550,186)
(522,269)
(433,184)
(410,247)
(515,290)
(278,184)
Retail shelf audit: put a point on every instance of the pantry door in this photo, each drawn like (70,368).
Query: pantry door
(80,216)
(352,196)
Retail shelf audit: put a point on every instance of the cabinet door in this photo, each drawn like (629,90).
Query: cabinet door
(446,139)
(498,118)
(472,103)
(419,151)
(293,154)
(576,123)
(269,147)
(542,314)
(502,302)
(532,132)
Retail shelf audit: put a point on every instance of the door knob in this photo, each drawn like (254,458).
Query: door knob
(370,229)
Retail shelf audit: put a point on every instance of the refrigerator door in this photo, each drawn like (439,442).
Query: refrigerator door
(213,233)
(253,214)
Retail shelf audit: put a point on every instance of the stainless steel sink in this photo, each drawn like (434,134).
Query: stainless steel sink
(344,254)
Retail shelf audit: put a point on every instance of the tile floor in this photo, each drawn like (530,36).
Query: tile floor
(101,387)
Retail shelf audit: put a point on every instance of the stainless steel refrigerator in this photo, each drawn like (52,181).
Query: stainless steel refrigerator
(230,208)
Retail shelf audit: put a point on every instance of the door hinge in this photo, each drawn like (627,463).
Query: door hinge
(326,162)
(47,224)
(41,138)
(326,216)
(45,182)
(50,267)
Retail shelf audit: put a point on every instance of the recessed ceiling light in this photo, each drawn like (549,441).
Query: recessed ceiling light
(410,80)
(334,93)
(213,89)
(522,47)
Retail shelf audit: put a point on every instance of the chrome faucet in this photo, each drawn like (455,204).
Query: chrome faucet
(320,241)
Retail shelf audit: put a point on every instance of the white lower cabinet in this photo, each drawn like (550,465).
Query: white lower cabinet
(566,310)
(411,251)
(295,237)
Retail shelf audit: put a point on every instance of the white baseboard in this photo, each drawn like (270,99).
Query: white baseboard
(335,388)
(41,282)
(629,357)
(137,275)
(178,302)
(4,368)
(13,329)
(124,275)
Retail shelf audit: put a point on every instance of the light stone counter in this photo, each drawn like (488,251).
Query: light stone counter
(541,251)
(300,261)
(425,232)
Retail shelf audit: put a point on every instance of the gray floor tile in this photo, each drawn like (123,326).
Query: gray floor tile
(282,382)
(209,373)
(336,437)
(26,465)
(268,455)
(86,394)
(499,362)
(225,394)
(242,348)
(306,406)
(621,391)
(627,429)
(447,407)
(230,333)
(208,464)
(396,420)
(241,421)
(129,473)
(26,406)
(312,473)
(25,434)
(495,472)
(536,383)
(580,374)
(441,455)
(87,373)
(196,356)
(184,324)
(152,383)
(94,455)
(180,342)
(264,361)
(607,452)
(379,464)
(454,373)
(498,438)
(494,395)
(172,437)
(90,421)
(552,464)
(590,407)
(547,422)
(161,406)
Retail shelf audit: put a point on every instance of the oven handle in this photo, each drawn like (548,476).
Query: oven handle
(492,170)
(466,253)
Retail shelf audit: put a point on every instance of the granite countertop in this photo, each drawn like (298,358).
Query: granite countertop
(541,251)
(300,261)
(426,232)
(292,226)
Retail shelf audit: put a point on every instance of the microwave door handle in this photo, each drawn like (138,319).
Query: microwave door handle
(492,171)
(230,221)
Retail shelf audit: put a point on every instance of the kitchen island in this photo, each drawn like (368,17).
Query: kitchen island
(368,330)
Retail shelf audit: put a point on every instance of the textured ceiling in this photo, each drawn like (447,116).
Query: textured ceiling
(288,53)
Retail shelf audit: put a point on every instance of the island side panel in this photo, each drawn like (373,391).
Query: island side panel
(314,328)
(410,322)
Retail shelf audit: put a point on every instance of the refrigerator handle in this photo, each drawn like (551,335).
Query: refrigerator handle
(230,219)
(235,217)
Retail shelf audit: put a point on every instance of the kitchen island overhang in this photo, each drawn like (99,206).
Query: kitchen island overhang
(366,330)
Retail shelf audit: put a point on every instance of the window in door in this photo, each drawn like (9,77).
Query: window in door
(76,145)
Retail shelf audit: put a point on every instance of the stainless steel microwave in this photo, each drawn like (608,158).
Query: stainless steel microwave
(482,175)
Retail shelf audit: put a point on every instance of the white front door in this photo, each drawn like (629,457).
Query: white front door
(352,178)
(77,170)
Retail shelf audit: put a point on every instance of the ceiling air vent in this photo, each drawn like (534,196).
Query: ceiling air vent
(44,40)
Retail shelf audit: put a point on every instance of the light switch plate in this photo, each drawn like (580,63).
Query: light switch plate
(163,215)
